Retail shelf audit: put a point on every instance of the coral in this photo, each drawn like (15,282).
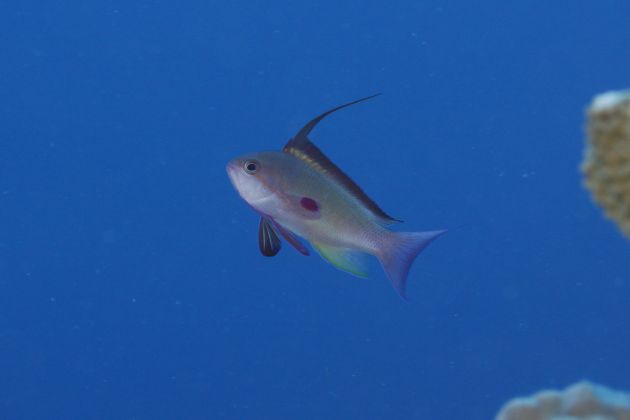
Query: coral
(581,401)
(606,165)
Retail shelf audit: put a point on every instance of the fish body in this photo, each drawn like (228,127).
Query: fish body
(337,220)
(299,192)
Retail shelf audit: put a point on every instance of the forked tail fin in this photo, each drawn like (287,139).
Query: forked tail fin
(399,251)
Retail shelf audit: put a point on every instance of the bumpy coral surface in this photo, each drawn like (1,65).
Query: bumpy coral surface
(606,165)
(581,401)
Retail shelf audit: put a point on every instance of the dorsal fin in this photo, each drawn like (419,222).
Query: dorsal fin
(306,130)
(302,148)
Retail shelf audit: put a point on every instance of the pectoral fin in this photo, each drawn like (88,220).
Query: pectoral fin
(268,240)
(345,259)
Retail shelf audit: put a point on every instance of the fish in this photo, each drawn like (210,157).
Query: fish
(301,195)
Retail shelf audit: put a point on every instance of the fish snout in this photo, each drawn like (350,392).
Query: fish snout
(231,165)
(232,168)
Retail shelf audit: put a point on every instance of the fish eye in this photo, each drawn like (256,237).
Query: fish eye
(251,166)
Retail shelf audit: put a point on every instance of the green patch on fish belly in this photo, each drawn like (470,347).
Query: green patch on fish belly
(354,262)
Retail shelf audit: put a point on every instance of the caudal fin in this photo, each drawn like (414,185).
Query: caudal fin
(399,251)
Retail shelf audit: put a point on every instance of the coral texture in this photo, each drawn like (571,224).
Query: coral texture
(606,165)
(581,401)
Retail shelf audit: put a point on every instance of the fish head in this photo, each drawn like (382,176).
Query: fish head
(257,177)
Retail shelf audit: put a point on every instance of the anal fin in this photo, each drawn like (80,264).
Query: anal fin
(345,259)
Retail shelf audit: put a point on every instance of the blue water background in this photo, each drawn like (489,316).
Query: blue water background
(131,286)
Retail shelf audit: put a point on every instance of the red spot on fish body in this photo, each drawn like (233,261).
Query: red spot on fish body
(309,204)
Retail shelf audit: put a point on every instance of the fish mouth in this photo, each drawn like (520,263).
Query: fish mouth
(231,169)
(237,176)
(230,166)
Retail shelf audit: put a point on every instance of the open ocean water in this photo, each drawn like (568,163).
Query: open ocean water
(131,285)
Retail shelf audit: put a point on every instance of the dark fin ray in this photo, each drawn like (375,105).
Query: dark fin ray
(302,148)
(291,238)
(268,240)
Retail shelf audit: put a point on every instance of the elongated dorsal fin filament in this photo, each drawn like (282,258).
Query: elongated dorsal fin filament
(302,148)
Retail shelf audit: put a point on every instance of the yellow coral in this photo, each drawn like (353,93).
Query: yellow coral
(606,165)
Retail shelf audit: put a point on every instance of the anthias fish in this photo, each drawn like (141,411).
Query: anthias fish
(300,193)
